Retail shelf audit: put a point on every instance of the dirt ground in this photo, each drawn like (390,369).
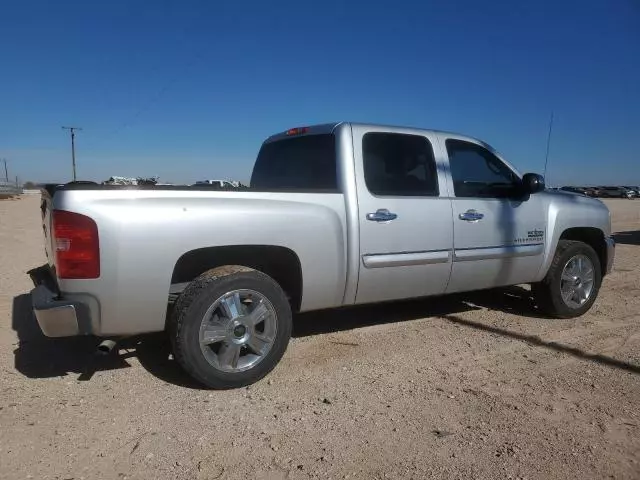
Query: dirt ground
(474,386)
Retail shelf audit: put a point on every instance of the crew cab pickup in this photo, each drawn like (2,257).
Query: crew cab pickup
(336,215)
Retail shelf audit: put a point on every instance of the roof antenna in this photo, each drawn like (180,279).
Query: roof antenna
(546,158)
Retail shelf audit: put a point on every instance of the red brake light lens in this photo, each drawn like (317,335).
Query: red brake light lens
(75,239)
(297,131)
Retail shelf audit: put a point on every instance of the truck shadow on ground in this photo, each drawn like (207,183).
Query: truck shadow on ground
(627,238)
(37,356)
(515,300)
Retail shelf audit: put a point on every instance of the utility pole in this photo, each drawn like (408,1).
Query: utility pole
(546,158)
(6,174)
(73,148)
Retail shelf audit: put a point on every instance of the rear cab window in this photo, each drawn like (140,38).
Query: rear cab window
(305,163)
(397,164)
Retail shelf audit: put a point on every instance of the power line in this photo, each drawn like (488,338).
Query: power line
(546,158)
(73,148)
(189,52)
(159,94)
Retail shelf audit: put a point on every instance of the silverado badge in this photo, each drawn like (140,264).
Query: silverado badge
(535,234)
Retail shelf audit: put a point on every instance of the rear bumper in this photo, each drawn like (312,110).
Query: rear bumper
(611,253)
(56,316)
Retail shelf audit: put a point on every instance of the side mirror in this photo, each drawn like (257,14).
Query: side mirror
(532,183)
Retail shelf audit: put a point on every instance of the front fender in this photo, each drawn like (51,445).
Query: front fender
(568,210)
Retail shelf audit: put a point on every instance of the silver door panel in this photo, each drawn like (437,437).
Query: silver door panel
(468,254)
(406,259)
(488,273)
(406,242)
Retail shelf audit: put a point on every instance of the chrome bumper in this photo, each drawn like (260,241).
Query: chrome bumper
(57,317)
(611,253)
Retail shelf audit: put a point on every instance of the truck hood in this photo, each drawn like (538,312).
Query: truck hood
(561,195)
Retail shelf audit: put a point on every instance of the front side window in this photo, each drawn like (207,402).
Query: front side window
(399,165)
(476,172)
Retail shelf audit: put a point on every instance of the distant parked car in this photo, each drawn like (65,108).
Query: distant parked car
(578,190)
(635,190)
(592,191)
(616,192)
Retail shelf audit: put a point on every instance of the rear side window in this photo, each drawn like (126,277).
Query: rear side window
(399,165)
(306,163)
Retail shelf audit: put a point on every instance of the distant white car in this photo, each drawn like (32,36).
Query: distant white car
(115,180)
(219,183)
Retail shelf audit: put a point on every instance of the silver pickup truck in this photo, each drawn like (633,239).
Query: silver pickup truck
(336,215)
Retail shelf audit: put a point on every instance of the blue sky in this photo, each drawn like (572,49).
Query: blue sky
(188,90)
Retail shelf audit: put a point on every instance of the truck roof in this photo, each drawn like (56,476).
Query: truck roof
(330,127)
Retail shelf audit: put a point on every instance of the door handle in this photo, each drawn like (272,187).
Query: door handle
(381,215)
(471,216)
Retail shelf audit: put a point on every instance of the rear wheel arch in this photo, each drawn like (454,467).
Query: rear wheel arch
(230,326)
(280,263)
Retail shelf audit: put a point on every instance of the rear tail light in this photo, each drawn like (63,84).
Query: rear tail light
(75,239)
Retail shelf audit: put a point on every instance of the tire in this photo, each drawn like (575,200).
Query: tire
(218,350)
(548,293)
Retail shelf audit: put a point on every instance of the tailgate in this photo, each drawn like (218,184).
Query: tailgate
(46,206)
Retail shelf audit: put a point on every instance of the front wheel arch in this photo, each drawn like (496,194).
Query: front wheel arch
(592,236)
(548,293)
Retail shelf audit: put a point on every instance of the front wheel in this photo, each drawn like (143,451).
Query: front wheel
(230,327)
(572,282)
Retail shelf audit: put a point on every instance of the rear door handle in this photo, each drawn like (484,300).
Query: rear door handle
(471,216)
(381,215)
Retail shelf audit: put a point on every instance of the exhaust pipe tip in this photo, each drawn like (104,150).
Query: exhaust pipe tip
(106,346)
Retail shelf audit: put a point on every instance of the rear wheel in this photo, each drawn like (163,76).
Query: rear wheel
(231,327)
(572,282)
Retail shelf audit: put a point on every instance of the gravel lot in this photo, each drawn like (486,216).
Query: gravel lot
(473,386)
